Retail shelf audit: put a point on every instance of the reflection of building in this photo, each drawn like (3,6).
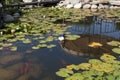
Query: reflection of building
(100,30)
(97,26)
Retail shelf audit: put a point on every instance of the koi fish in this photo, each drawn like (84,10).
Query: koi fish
(25,69)
(63,62)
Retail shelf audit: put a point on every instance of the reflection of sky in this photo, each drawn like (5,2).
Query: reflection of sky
(103,28)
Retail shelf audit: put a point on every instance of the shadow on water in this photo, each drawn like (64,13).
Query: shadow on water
(43,63)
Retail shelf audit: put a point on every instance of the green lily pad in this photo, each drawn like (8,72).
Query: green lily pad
(72,37)
(85,66)
(95,61)
(49,39)
(13,48)
(64,72)
(116,50)
(35,47)
(113,43)
(6,44)
(107,58)
(76,76)
(26,41)
(51,46)
(1,48)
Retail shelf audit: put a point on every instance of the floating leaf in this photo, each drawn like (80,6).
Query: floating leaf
(113,43)
(64,72)
(35,47)
(107,58)
(51,46)
(13,48)
(76,76)
(72,37)
(6,44)
(116,50)
(95,61)
(49,39)
(26,41)
(84,66)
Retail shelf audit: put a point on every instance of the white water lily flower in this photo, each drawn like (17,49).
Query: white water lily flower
(61,38)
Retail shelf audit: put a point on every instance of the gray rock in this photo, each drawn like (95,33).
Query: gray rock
(106,6)
(73,1)
(16,15)
(93,10)
(87,6)
(114,7)
(0,5)
(115,2)
(8,18)
(27,1)
(93,6)
(63,3)
(101,6)
(69,6)
(78,5)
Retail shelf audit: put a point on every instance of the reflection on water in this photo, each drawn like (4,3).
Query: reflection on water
(97,26)
(97,30)
(27,64)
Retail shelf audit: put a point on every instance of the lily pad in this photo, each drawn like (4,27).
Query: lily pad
(27,41)
(13,48)
(35,47)
(76,76)
(64,72)
(72,37)
(51,46)
(114,43)
(116,50)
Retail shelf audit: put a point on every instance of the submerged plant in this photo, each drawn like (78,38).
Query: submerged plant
(107,68)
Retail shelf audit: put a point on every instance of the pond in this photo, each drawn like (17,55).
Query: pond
(28,63)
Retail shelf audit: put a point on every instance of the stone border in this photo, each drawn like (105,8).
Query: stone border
(90,5)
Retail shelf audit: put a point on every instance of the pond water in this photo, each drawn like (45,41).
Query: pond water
(27,64)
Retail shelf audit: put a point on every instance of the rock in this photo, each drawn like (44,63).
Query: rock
(6,74)
(0,5)
(93,10)
(63,3)
(16,16)
(69,6)
(106,6)
(93,6)
(115,2)
(6,59)
(87,6)
(73,1)
(8,18)
(101,6)
(78,5)
(114,7)
(27,1)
